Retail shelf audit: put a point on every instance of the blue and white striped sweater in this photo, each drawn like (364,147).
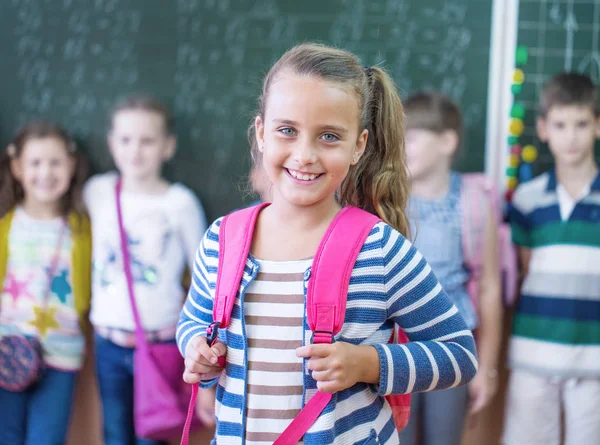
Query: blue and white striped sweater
(391,282)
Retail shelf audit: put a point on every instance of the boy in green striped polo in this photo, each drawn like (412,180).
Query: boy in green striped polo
(554,354)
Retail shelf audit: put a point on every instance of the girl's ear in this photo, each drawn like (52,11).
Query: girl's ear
(449,139)
(259,128)
(110,137)
(542,131)
(170,148)
(16,168)
(361,145)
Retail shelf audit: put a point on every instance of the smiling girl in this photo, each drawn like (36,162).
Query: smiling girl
(45,266)
(328,134)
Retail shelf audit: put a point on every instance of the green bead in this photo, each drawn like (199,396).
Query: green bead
(516,89)
(517,111)
(512,140)
(522,55)
(512,172)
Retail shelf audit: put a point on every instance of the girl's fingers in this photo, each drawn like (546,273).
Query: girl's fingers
(199,351)
(317,364)
(197,368)
(190,377)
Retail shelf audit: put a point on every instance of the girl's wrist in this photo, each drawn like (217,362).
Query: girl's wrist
(489,372)
(368,362)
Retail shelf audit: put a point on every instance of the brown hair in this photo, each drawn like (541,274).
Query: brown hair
(434,111)
(146,103)
(11,191)
(569,89)
(378,183)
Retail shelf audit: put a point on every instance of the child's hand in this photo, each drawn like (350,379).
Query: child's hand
(481,390)
(205,406)
(340,365)
(201,360)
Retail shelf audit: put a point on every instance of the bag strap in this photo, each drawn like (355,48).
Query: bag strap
(235,239)
(331,271)
(139,330)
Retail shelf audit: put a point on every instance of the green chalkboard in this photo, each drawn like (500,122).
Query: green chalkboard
(71,59)
(560,35)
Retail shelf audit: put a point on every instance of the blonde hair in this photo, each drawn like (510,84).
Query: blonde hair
(378,183)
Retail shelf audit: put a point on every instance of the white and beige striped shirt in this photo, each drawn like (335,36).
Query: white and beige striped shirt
(274,310)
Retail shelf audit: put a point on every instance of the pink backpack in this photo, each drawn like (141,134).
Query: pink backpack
(326,297)
(477,193)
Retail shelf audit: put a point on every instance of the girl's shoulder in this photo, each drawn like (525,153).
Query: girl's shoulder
(181,196)
(100,184)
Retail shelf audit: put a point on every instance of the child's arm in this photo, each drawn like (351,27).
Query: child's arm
(196,314)
(485,384)
(520,228)
(192,225)
(441,353)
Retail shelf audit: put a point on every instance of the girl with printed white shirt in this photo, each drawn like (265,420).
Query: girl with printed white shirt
(163,222)
(45,266)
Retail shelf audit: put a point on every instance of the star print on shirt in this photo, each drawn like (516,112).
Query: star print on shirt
(44,320)
(60,285)
(17,288)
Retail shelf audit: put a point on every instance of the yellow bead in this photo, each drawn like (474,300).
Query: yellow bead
(518,76)
(516,127)
(529,153)
(513,161)
(511,183)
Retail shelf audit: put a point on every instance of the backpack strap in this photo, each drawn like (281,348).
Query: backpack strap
(326,298)
(331,271)
(477,195)
(235,239)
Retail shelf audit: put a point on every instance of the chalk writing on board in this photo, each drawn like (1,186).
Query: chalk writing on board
(206,58)
(66,86)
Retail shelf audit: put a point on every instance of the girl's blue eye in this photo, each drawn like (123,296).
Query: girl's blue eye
(329,137)
(287,131)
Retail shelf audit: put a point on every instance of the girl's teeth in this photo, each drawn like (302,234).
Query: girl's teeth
(303,177)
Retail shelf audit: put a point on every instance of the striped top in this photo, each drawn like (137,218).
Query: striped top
(274,307)
(556,328)
(390,282)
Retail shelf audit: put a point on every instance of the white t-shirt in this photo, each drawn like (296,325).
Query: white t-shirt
(163,232)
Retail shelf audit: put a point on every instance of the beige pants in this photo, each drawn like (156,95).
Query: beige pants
(536,407)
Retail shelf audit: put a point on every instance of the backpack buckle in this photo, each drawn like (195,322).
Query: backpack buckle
(322,337)
(212,332)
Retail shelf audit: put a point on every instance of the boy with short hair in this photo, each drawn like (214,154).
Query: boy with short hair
(555,218)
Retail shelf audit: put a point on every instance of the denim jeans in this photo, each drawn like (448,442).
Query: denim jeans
(40,414)
(437,417)
(114,368)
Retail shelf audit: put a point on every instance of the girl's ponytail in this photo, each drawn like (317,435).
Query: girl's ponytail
(379,182)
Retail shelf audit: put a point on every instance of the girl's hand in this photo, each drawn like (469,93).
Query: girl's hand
(201,360)
(205,406)
(482,390)
(341,365)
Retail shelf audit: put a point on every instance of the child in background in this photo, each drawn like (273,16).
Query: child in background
(163,222)
(433,136)
(554,355)
(329,133)
(45,268)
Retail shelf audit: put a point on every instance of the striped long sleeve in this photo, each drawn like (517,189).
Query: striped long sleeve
(391,283)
